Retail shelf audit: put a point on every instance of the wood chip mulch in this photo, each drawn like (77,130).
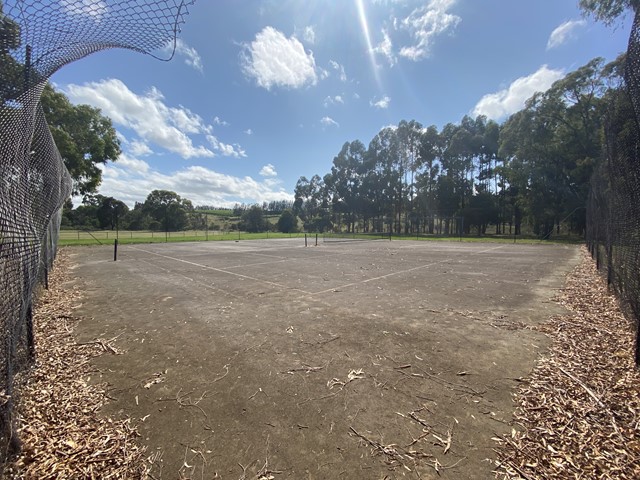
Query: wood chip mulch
(62,432)
(579,411)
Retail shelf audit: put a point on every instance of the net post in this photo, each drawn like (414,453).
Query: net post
(115,250)
(316,239)
(305,240)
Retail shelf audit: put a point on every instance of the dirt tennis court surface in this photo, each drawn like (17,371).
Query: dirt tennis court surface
(270,360)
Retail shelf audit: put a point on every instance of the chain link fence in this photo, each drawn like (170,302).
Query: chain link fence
(613,212)
(36,39)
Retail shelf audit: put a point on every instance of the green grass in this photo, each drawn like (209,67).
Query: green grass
(530,240)
(73,237)
(145,237)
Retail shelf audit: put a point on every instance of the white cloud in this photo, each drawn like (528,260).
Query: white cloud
(130,181)
(329,122)
(340,69)
(425,24)
(190,54)
(382,103)
(273,60)
(139,148)
(268,171)
(385,48)
(147,115)
(248,131)
(218,121)
(309,35)
(564,32)
(94,9)
(333,100)
(511,99)
(225,149)
(131,164)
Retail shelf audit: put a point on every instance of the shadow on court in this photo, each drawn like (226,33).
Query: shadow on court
(269,359)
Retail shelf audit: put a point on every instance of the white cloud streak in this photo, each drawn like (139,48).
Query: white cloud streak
(273,60)
(328,101)
(509,100)
(381,103)
(564,32)
(329,122)
(385,48)
(268,171)
(190,54)
(425,24)
(309,35)
(340,69)
(94,9)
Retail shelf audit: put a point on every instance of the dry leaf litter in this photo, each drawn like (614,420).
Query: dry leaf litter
(62,431)
(578,412)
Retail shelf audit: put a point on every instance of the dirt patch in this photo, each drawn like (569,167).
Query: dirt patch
(265,360)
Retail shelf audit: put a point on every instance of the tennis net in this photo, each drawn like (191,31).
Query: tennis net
(354,237)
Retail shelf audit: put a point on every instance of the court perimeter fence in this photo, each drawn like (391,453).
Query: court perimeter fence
(613,211)
(38,37)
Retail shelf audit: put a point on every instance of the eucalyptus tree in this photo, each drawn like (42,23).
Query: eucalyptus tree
(384,153)
(312,204)
(608,11)
(346,177)
(430,154)
(557,142)
(409,142)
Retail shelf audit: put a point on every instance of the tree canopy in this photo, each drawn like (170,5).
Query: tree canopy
(534,168)
(608,11)
(84,137)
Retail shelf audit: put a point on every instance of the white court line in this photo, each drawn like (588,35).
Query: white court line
(397,273)
(304,291)
(202,284)
(247,277)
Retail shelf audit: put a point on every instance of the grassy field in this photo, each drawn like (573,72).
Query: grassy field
(107,237)
(104,237)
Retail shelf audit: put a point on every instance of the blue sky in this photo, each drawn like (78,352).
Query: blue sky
(260,93)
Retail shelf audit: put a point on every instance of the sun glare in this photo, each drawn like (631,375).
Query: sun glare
(362,16)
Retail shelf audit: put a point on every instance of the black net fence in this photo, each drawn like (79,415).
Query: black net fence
(36,39)
(613,211)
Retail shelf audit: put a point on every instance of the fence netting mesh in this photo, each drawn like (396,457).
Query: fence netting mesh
(36,39)
(613,211)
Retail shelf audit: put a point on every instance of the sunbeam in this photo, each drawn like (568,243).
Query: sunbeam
(362,16)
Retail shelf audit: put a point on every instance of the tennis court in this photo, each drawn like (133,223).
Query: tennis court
(363,359)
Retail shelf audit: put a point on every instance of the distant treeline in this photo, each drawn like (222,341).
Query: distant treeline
(274,207)
(532,170)
(165,210)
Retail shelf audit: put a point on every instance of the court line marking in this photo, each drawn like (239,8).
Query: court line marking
(396,273)
(311,294)
(247,277)
(198,282)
